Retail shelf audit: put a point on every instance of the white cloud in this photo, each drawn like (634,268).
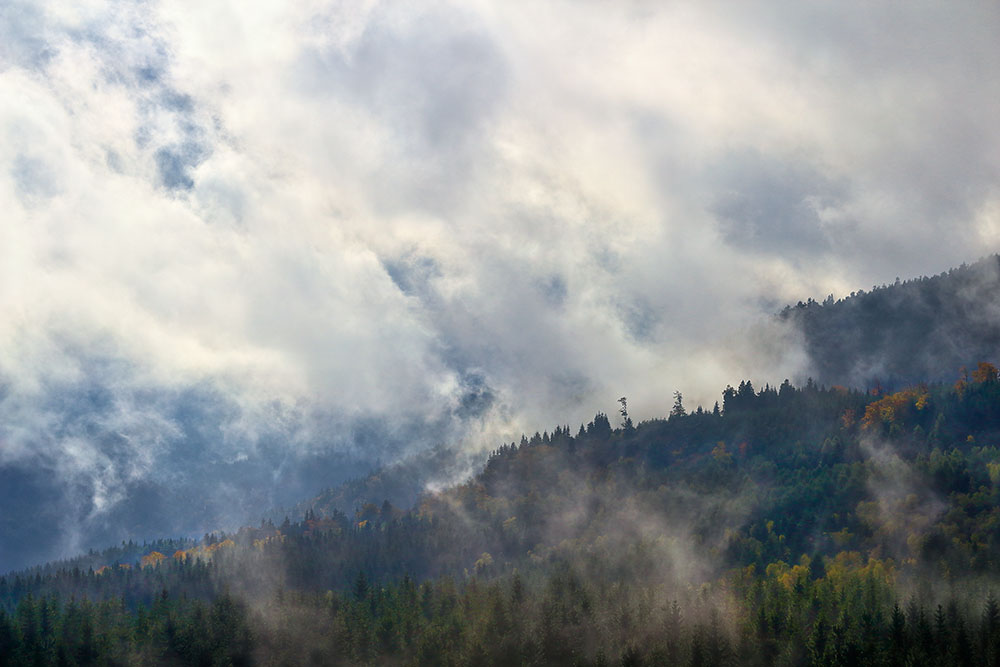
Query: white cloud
(324,211)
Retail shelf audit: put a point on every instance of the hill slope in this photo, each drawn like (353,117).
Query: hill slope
(787,523)
(918,330)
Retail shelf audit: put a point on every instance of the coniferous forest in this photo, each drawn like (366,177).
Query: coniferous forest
(783,525)
(909,332)
(446,334)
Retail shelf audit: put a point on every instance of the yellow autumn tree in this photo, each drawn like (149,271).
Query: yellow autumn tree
(985,373)
(895,408)
(152,559)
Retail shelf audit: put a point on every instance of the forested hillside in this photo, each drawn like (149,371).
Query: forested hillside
(782,526)
(915,331)
(287,289)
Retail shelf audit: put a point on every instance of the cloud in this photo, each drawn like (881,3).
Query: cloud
(773,206)
(237,236)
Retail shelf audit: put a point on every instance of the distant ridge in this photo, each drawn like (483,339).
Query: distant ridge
(913,331)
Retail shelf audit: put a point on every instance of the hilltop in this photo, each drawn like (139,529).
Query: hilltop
(914,331)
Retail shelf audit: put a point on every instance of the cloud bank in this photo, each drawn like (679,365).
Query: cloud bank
(248,248)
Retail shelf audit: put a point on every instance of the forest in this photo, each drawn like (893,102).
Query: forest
(784,525)
(912,331)
(575,333)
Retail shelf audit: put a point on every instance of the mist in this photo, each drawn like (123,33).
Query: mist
(250,250)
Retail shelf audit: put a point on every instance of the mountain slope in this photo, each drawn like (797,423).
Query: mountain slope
(786,523)
(914,331)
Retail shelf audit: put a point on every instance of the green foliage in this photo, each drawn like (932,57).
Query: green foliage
(780,529)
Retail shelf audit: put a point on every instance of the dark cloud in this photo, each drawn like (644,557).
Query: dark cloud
(771,205)
(177,101)
(554,289)
(148,75)
(640,319)
(174,164)
(477,398)
(411,273)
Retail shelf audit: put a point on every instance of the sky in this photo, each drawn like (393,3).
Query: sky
(249,248)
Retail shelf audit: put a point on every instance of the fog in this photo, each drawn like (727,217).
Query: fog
(250,249)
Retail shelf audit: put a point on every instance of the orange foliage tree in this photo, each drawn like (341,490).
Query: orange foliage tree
(895,408)
(152,559)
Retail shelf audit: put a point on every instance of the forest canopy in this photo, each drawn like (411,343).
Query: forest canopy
(787,525)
